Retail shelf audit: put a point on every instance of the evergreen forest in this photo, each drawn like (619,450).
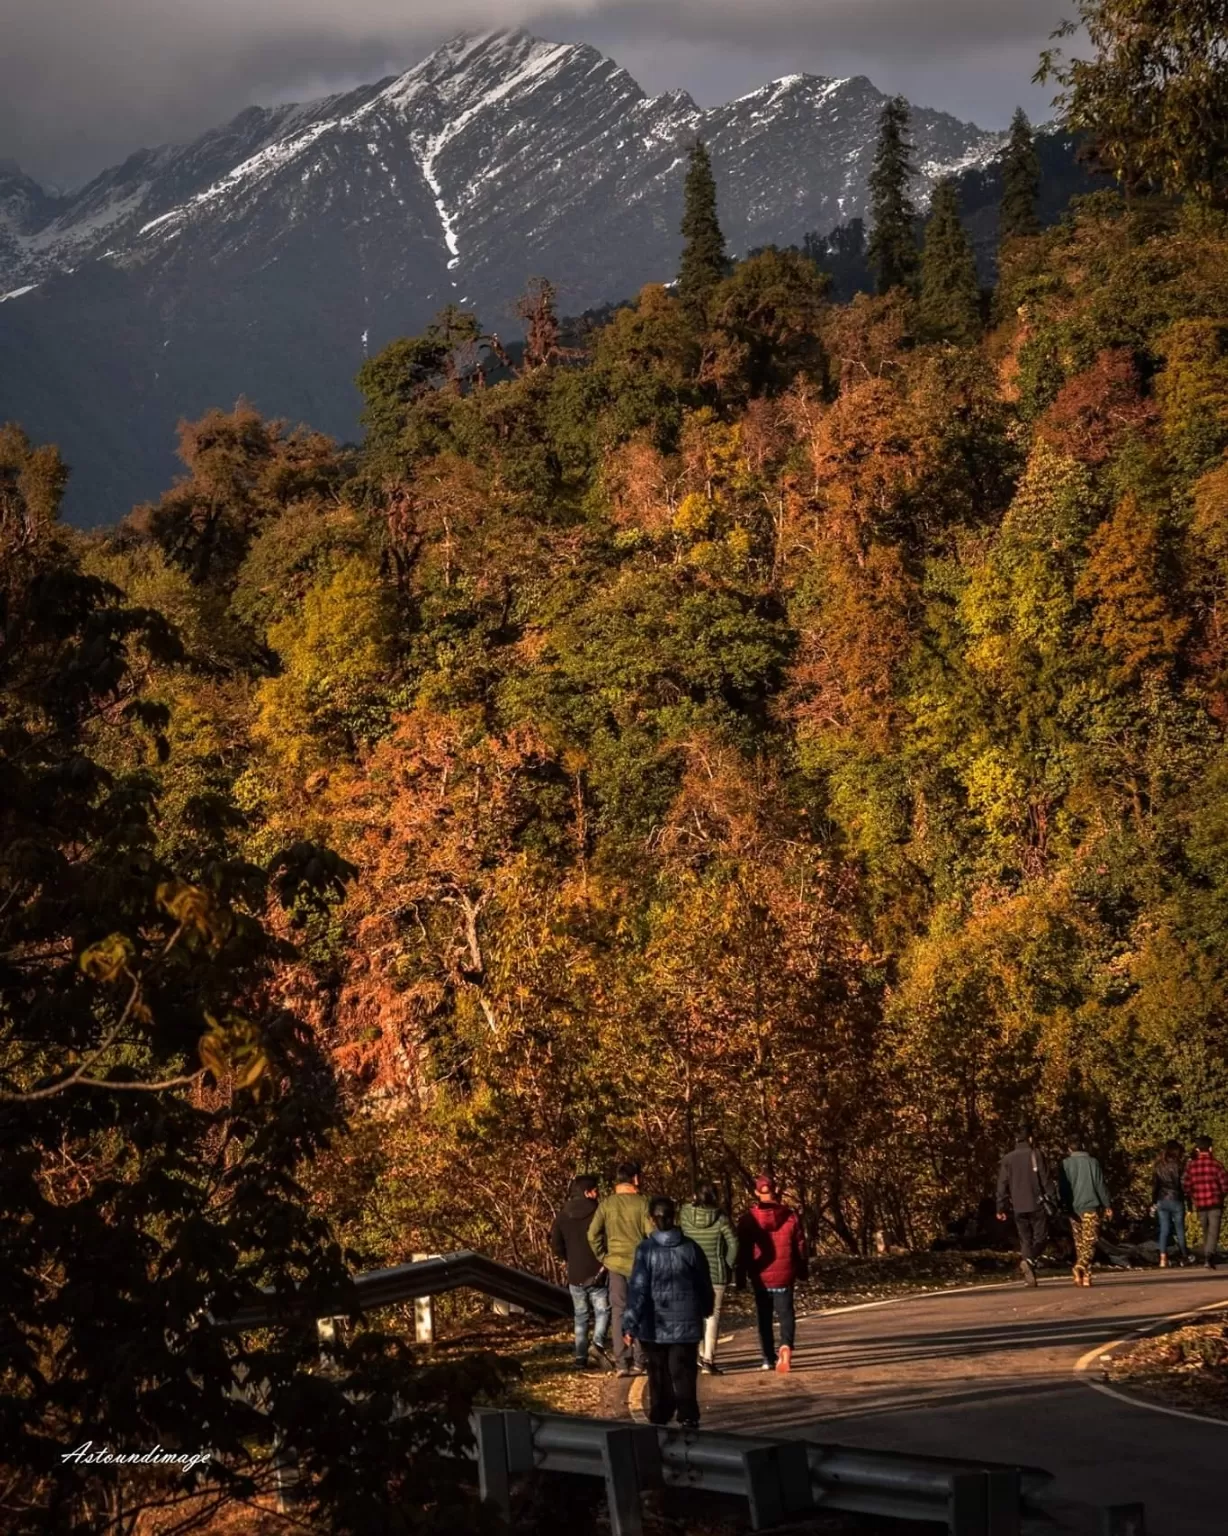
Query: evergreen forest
(754,731)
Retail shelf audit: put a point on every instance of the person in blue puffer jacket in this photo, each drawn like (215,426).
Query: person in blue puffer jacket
(668,1300)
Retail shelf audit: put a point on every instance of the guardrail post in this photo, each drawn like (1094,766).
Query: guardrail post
(648,1464)
(968,1508)
(518,1435)
(494,1481)
(767,1507)
(286,1477)
(424,1310)
(777,1483)
(622,1482)
(793,1465)
(1123,1520)
(1004,1490)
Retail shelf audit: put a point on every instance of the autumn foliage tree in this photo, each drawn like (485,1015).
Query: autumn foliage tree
(769,731)
(158,1099)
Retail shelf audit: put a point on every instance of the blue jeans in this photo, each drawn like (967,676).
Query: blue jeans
(774,1304)
(1172,1216)
(582,1297)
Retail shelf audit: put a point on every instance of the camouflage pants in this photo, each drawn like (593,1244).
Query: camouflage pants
(1086,1229)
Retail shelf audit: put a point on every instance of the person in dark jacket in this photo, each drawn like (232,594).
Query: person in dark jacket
(668,1299)
(1168,1200)
(705,1223)
(586,1278)
(1025,1186)
(772,1256)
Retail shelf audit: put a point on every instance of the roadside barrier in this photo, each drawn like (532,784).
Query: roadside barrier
(779,1479)
(412,1282)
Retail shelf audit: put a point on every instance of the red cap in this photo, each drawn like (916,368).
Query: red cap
(765,1185)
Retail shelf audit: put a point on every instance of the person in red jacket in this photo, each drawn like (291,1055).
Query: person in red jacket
(772,1255)
(1206,1184)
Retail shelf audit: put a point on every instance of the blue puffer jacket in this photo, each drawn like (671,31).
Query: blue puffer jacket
(670,1293)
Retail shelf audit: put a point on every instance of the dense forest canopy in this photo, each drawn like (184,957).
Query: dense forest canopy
(772,733)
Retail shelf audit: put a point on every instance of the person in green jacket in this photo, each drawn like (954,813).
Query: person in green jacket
(619,1225)
(703,1221)
(1086,1196)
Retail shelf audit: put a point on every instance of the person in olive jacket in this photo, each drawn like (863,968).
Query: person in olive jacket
(703,1221)
(668,1300)
(619,1224)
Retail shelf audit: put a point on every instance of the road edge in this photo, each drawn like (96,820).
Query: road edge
(1084,1364)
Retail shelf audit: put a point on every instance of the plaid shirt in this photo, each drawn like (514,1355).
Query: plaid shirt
(1206,1182)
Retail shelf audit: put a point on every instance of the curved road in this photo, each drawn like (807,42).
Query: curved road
(992,1373)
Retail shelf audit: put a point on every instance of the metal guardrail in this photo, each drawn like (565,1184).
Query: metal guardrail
(780,1479)
(408,1282)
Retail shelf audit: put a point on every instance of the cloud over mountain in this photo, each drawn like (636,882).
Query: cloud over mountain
(83,84)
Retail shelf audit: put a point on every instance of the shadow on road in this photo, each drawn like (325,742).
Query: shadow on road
(908,1348)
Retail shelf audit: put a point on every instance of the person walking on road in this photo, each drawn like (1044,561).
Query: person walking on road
(772,1255)
(619,1225)
(1025,1186)
(703,1221)
(1168,1200)
(1086,1197)
(586,1278)
(668,1300)
(1206,1183)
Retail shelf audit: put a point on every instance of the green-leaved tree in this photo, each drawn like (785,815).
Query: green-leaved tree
(704,262)
(1154,94)
(893,247)
(1020,181)
(950,293)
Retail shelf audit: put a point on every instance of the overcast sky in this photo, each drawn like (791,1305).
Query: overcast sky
(85,82)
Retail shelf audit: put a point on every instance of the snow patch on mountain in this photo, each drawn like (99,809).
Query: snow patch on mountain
(446,220)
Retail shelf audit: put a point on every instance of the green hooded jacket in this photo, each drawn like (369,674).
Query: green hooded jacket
(712,1231)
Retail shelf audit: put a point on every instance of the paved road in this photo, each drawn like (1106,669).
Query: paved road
(990,1373)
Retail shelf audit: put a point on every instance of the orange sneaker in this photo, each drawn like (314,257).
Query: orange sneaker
(784,1359)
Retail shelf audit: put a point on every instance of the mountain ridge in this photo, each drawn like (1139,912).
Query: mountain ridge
(270,256)
(120,207)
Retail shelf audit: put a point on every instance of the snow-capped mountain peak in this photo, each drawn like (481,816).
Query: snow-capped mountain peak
(485,119)
(273,254)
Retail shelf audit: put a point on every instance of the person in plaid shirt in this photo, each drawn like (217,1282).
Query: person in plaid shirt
(1206,1184)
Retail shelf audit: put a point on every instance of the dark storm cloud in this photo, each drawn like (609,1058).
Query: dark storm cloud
(84,82)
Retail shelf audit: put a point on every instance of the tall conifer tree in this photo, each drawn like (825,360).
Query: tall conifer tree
(704,262)
(950,292)
(893,247)
(1020,181)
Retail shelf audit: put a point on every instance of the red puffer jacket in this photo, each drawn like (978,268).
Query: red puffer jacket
(771,1246)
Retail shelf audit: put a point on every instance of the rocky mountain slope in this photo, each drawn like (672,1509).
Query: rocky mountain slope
(271,255)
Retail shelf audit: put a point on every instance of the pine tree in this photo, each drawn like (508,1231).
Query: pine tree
(893,246)
(704,262)
(950,293)
(1020,182)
